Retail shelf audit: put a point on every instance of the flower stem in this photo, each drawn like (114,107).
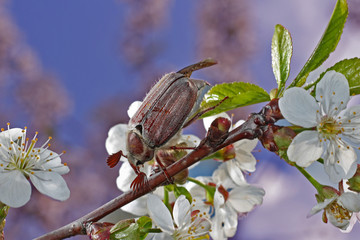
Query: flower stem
(209,189)
(152,230)
(312,180)
(3,213)
(166,199)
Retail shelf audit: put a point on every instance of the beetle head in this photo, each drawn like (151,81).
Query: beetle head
(139,152)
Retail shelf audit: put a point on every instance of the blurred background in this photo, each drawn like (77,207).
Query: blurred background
(70,69)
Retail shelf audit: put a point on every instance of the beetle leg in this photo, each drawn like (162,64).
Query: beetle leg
(191,120)
(163,168)
(140,181)
(114,159)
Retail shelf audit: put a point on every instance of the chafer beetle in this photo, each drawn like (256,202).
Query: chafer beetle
(172,103)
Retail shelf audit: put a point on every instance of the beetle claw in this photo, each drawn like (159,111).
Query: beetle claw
(139,182)
(114,159)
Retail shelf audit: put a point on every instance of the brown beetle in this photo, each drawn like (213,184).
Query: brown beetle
(171,104)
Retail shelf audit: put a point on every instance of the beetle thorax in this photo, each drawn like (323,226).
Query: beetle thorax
(139,152)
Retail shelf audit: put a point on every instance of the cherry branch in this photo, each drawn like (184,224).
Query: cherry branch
(252,128)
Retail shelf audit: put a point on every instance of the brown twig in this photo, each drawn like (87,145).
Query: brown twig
(250,129)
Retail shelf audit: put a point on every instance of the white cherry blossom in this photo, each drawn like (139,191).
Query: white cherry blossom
(187,222)
(339,210)
(333,130)
(21,161)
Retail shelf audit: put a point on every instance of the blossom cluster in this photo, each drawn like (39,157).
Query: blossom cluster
(217,201)
(330,133)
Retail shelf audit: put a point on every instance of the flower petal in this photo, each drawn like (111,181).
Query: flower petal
(51,160)
(133,108)
(126,176)
(137,207)
(245,160)
(234,170)
(221,175)
(350,201)
(181,212)
(14,188)
(333,92)
(320,206)
(244,198)
(51,184)
(340,161)
(305,148)
(12,133)
(299,107)
(160,214)
(116,139)
(230,221)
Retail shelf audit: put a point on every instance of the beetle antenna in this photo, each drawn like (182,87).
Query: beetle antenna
(114,159)
(187,71)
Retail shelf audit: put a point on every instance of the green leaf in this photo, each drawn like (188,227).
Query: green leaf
(327,43)
(121,225)
(144,222)
(281,52)
(182,191)
(130,233)
(239,94)
(350,68)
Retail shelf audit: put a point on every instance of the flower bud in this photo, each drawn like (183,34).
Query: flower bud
(98,231)
(277,139)
(218,130)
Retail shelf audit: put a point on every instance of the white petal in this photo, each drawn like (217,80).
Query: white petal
(219,199)
(246,144)
(231,221)
(217,227)
(12,133)
(196,190)
(243,199)
(234,170)
(299,107)
(238,124)
(116,139)
(221,176)
(341,164)
(54,162)
(190,140)
(245,160)
(320,206)
(208,120)
(333,92)
(353,220)
(14,188)
(126,176)
(305,148)
(133,108)
(181,212)
(350,201)
(340,223)
(160,214)
(137,207)
(51,184)
(162,236)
